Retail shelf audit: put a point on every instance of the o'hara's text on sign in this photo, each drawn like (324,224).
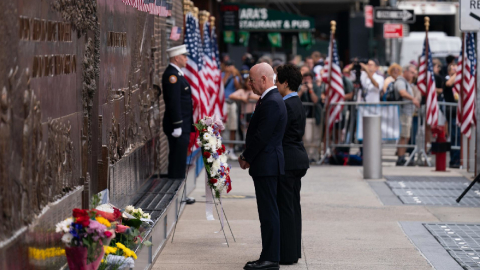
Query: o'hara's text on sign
(258,18)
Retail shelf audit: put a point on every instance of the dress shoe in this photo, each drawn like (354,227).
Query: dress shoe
(262,265)
(250,262)
(190,200)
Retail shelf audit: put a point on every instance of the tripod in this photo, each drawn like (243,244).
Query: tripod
(419,142)
(468,188)
(350,121)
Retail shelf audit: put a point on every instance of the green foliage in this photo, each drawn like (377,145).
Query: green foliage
(147,243)
(135,223)
(95,201)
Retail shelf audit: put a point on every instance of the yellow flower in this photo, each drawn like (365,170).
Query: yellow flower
(103,221)
(109,250)
(43,254)
(120,245)
(129,253)
(126,251)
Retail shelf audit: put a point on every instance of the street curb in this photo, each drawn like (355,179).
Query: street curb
(384,193)
(428,246)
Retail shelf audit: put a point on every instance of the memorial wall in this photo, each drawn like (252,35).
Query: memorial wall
(79,113)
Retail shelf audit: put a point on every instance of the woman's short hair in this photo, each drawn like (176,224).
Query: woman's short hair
(291,74)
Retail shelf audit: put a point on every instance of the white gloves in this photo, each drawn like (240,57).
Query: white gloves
(177,132)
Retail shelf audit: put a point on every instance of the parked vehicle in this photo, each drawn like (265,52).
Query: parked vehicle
(441,46)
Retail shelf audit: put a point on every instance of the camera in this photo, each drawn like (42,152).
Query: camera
(358,68)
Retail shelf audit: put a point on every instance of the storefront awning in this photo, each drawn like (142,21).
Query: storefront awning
(249,18)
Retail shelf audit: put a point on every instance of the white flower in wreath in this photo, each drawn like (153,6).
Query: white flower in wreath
(64,226)
(207,146)
(207,136)
(210,130)
(223,158)
(67,238)
(129,209)
(212,141)
(215,167)
(211,159)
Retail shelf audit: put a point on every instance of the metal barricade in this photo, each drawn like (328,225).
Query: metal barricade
(448,114)
(347,132)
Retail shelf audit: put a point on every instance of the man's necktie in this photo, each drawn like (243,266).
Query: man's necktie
(258,102)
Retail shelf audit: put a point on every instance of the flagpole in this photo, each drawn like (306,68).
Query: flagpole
(427,24)
(186,10)
(333,25)
(460,93)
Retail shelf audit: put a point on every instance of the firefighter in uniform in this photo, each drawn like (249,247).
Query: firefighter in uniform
(178,119)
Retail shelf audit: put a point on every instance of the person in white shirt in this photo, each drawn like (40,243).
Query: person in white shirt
(372,82)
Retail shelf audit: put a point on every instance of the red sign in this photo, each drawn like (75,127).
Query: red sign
(368,16)
(392,30)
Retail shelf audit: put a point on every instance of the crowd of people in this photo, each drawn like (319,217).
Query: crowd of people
(375,84)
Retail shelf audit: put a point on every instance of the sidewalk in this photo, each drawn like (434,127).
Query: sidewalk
(345,225)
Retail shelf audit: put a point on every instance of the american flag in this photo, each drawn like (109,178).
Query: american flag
(169,8)
(155,7)
(426,85)
(466,86)
(220,107)
(209,70)
(194,66)
(334,84)
(175,34)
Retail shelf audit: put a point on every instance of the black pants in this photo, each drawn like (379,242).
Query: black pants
(177,156)
(266,193)
(288,200)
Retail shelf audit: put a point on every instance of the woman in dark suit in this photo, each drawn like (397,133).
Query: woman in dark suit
(288,81)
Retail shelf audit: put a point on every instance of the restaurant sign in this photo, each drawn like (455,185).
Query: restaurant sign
(249,18)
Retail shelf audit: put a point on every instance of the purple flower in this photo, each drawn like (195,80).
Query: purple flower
(208,121)
(95,226)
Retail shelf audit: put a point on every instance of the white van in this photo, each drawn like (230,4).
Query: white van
(441,46)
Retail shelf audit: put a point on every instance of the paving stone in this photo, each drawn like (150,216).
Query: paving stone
(430,190)
(461,241)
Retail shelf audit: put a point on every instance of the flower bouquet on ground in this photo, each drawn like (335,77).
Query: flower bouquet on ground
(118,257)
(214,154)
(84,236)
(130,232)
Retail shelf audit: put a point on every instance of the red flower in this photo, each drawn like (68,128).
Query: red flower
(79,213)
(229,185)
(121,229)
(83,220)
(108,234)
(213,181)
(223,148)
(116,213)
(206,154)
(219,151)
(204,130)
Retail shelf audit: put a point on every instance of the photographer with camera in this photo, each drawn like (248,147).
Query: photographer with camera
(309,92)
(371,82)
